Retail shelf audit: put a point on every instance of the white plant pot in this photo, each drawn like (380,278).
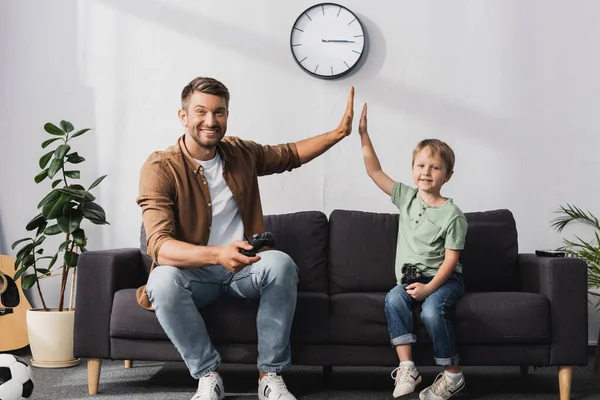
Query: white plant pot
(51,338)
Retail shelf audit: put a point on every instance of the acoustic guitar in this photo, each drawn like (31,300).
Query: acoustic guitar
(13,306)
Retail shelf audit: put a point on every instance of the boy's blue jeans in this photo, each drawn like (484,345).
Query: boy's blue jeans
(435,315)
(177,294)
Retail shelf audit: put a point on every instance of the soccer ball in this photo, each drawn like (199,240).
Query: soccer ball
(15,378)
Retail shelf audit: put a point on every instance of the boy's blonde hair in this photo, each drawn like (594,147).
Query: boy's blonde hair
(437,147)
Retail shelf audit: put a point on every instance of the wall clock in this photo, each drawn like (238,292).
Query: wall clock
(327,40)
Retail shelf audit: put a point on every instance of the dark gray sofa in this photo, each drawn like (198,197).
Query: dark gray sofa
(519,309)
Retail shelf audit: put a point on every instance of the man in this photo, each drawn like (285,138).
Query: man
(200,201)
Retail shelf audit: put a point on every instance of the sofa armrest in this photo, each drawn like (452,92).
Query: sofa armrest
(99,275)
(564,281)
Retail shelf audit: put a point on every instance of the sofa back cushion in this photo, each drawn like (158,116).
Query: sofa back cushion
(362,251)
(304,237)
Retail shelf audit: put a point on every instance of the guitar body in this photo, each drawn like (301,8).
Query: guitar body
(13,326)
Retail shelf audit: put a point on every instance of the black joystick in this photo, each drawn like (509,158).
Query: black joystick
(410,274)
(258,242)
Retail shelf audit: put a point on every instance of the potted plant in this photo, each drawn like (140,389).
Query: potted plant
(62,212)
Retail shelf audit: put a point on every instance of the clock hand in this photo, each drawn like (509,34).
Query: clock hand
(336,41)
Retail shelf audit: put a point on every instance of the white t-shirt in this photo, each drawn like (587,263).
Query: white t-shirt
(227,223)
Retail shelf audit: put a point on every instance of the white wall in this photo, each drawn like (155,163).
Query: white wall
(512,86)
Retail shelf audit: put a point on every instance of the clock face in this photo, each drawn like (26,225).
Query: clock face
(327,40)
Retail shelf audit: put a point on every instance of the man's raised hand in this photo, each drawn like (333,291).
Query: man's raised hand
(345,126)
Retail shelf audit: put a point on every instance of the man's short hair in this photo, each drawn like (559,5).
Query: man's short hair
(437,147)
(204,84)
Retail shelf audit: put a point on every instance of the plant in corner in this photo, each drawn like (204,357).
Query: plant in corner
(62,212)
(587,250)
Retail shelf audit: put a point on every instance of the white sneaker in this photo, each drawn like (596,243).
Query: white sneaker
(406,378)
(210,387)
(272,387)
(442,388)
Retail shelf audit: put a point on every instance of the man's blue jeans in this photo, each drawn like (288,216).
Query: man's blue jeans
(177,294)
(435,315)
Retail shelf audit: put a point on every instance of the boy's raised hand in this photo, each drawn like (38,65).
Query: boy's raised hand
(345,126)
(362,125)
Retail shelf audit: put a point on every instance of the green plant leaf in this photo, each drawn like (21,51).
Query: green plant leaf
(54,209)
(39,241)
(53,261)
(46,143)
(55,166)
(71,258)
(74,158)
(72,174)
(53,129)
(61,151)
(78,194)
(28,281)
(97,182)
(94,213)
(25,251)
(52,230)
(70,220)
(41,176)
(28,260)
(64,245)
(79,237)
(44,271)
(15,244)
(56,183)
(52,196)
(19,273)
(66,126)
(79,133)
(45,159)
(36,222)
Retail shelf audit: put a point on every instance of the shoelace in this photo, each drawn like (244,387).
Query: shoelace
(276,383)
(441,384)
(401,374)
(206,388)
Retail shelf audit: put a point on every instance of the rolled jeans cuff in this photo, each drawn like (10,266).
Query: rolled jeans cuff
(274,370)
(208,370)
(447,361)
(409,338)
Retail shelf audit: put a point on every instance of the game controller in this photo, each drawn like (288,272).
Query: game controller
(258,242)
(410,274)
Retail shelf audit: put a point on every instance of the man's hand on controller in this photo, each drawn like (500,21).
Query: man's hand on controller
(230,257)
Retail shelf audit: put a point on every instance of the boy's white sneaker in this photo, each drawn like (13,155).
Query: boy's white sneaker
(210,387)
(406,378)
(272,387)
(442,388)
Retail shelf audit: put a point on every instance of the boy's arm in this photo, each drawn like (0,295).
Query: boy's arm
(372,164)
(445,270)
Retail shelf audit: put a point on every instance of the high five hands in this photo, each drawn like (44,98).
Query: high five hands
(345,126)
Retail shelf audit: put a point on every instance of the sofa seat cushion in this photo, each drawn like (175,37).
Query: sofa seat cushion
(502,318)
(227,320)
(479,318)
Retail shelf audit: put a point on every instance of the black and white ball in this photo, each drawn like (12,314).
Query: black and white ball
(15,378)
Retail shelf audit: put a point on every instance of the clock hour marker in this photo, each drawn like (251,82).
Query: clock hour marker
(299,44)
(352,21)
(323,9)
(303,59)
(339,11)
(331,70)
(316,68)
(308,16)
(346,64)
(359,35)
(357,52)
(298,29)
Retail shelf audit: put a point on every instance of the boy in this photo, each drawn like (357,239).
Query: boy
(431,233)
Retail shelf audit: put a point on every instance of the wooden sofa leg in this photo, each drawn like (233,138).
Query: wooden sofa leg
(565,375)
(94,365)
(128,363)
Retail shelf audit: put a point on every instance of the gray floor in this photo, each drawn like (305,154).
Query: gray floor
(166,381)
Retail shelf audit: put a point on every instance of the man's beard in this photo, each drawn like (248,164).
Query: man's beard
(197,136)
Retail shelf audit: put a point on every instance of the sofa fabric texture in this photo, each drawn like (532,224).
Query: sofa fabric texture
(519,309)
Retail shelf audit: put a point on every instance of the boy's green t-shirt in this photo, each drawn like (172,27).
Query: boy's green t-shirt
(424,232)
